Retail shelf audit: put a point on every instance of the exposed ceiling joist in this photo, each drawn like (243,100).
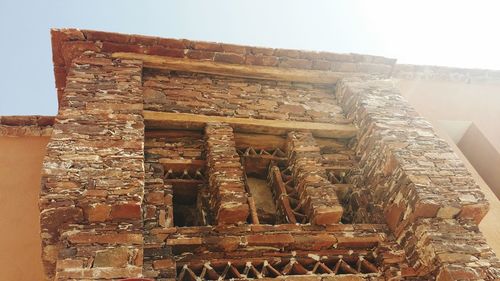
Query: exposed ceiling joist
(245,140)
(237,70)
(187,121)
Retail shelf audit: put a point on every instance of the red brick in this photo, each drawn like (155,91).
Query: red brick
(393,216)
(261,60)
(232,213)
(224,244)
(314,242)
(425,210)
(98,212)
(475,212)
(207,46)
(269,239)
(126,211)
(229,58)
(70,34)
(52,219)
(327,215)
(236,49)
(144,40)
(155,197)
(173,43)
(162,51)
(200,55)
(106,36)
(184,241)
(111,47)
(164,264)
(74,49)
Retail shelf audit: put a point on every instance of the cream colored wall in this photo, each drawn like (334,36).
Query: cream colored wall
(20,170)
(444,100)
(479,103)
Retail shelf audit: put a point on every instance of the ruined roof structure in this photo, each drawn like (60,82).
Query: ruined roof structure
(181,160)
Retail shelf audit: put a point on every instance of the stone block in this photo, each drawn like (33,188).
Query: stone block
(114,257)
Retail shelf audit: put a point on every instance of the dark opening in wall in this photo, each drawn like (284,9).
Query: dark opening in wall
(188,206)
(190,198)
(256,163)
(176,168)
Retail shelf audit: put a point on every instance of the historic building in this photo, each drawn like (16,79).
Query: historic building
(175,159)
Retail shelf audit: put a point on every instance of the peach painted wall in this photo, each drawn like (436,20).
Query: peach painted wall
(479,103)
(20,170)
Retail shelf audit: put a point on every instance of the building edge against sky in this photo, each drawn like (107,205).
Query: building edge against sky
(437,93)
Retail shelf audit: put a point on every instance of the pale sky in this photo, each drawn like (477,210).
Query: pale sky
(448,33)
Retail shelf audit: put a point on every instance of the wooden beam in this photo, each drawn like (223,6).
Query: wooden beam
(259,141)
(180,165)
(237,70)
(245,140)
(187,121)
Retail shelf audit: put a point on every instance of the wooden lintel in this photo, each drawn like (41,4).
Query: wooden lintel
(187,121)
(181,165)
(237,70)
(245,140)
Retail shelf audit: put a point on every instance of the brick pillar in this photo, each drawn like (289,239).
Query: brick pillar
(228,198)
(316,193)
(93,174)
(413,180)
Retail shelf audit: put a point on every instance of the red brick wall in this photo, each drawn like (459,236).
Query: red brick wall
(93,175)
(243,98)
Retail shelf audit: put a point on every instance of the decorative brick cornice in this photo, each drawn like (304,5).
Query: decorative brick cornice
(70,43)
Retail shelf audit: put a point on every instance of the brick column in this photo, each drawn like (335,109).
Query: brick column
(316,193)
(413,180)
(93,174)
(228,198)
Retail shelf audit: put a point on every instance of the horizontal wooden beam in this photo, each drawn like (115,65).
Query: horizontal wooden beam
(245,140)
(187,121)
(237,70)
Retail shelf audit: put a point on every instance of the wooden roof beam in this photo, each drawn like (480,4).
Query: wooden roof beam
(187,121)
(237,70)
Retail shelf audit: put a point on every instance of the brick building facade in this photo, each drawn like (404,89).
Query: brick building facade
(173,159)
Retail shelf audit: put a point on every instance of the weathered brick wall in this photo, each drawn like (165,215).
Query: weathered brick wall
(406,172)
(108,210)
(244,98)
(69,43)
(169,160)
(93,174)
(34,125)
(228,197)
(316,194)
(450,249)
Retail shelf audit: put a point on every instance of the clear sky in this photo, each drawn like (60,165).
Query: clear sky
(449,33)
